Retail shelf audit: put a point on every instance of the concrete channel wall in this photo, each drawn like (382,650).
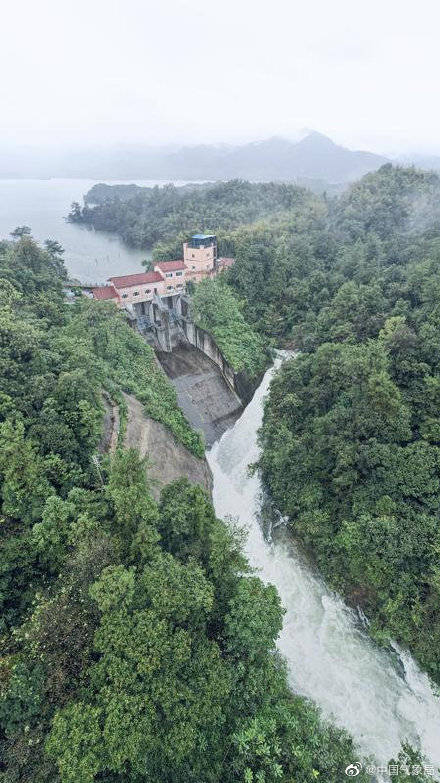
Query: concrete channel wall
(205,343)
(208,401)
(172,325)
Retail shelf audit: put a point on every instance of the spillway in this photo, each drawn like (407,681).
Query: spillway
(379,697)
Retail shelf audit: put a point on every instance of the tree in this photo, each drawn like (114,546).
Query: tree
(53,247)
(20,232)
(75,214)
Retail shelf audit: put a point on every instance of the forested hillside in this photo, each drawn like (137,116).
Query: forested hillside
(148,215)
(135,643)
(215,308)
(351,435)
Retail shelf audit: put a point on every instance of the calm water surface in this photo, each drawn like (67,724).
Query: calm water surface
(90,256)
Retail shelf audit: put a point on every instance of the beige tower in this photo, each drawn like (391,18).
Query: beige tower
(200,256)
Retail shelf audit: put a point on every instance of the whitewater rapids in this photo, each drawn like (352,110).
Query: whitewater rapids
(379,698)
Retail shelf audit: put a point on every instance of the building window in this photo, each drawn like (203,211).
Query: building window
(135,293)
(179,274)
(124,296)
(179,285)
(168,274)
(148,290)
(193,255)
(169,287)
(193,267)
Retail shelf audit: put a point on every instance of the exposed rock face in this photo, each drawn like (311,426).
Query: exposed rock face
(168,459)
(110,428)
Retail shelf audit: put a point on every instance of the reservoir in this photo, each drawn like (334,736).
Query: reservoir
(90,256)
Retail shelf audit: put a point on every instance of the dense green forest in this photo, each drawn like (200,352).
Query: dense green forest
(136,643)
(351,435)
(146,216)
(215,308)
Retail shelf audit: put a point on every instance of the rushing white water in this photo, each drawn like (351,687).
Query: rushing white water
(379,698)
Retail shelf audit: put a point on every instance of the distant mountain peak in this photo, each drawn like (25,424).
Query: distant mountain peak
(310,156)
(316,139)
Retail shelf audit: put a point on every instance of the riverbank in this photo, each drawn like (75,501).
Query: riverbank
(42,204)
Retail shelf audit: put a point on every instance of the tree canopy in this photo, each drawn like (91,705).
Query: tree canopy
(144,216)
(136,643)
(351,436)
(216,309)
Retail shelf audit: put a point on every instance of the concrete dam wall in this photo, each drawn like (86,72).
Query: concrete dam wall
(209,392)
(206,398)
(168,326)
(242,386)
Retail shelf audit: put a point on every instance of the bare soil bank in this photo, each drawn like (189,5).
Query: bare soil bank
(168,459)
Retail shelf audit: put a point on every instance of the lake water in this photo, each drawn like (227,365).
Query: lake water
(90,256)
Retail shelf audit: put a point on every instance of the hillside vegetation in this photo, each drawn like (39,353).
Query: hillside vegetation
(56,361)
(135,642)
(351,434)
(215,309)
(150,215)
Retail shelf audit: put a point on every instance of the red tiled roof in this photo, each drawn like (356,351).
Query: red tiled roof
(126,281)
(104,292)
(170,266)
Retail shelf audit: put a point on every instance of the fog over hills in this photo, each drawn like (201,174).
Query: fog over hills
(429,162)
(314,160)
(314,157)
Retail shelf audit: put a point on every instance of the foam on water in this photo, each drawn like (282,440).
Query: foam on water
(380,698)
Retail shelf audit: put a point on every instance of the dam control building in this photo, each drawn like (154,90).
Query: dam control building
(168,278)
(155,301)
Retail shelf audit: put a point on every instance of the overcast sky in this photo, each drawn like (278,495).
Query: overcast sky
(188,71)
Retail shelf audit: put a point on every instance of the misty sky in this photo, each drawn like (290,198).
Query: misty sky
(78,72)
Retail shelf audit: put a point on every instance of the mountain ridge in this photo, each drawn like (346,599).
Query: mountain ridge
(315,156)
(312,157)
